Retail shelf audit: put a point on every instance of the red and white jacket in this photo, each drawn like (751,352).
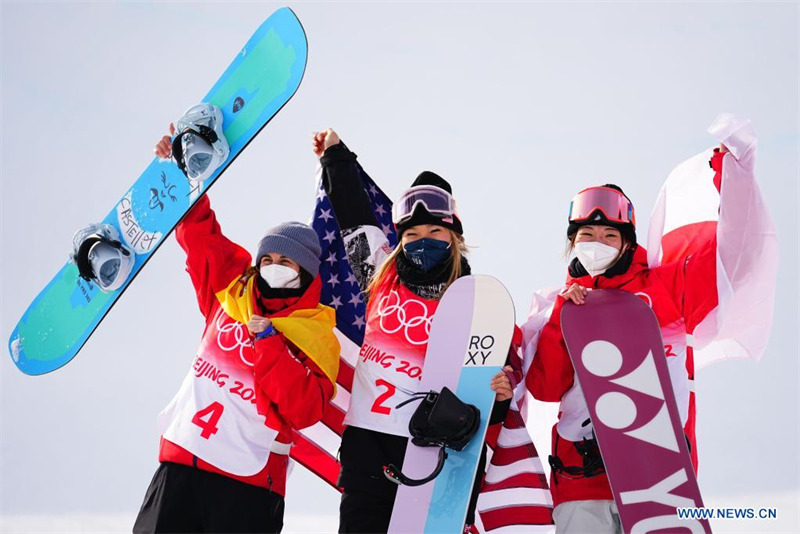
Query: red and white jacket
(705,277)
(240,399)
(392,357)
(551,376)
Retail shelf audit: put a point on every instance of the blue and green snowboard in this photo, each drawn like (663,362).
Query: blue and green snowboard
(259,82)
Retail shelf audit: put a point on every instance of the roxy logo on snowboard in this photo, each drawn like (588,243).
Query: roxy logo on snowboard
(479,350)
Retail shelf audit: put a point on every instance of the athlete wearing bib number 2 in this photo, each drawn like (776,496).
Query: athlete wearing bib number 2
(266,364)
(402,288)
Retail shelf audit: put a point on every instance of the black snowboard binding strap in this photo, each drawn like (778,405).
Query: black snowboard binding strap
(81,257)
(100,256)
(441,420)
(206,133)
(199,147)
(592,461)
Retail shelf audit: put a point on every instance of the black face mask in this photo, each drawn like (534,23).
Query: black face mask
(427,285)
(427,253)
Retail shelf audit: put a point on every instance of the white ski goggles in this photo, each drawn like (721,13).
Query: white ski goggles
(435,200)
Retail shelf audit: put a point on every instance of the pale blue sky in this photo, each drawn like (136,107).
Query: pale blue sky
(519,105)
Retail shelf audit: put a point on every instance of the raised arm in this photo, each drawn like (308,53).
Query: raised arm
(726,285)
(366,244)
(212,260)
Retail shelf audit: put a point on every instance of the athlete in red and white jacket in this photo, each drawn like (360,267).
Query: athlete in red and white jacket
(249,384)
(684,290)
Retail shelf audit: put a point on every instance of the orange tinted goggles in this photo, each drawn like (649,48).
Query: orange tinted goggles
(613,204)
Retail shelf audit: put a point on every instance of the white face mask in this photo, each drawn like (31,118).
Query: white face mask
(595,257)
(280,276)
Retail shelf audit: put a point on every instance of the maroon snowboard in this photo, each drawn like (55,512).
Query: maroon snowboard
(615,344)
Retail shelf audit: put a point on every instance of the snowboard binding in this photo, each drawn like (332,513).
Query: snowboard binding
(441,420)
(590,453)
(200,147)
(100,257)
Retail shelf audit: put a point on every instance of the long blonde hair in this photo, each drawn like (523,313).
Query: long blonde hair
(458,250)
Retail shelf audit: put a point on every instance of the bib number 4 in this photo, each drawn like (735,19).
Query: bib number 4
(207,419)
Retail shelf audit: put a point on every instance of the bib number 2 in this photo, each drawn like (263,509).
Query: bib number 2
(378,406)
(207,419)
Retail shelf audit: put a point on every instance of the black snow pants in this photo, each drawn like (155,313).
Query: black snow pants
(184,499)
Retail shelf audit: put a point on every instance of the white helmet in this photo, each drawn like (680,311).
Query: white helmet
(100,256)
(200,147)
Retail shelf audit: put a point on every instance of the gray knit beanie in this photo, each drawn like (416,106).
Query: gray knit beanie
(294,240)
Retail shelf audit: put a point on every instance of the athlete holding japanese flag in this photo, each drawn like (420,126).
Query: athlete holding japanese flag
(709,277)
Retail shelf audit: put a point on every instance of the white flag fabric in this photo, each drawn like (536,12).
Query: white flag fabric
(690,213)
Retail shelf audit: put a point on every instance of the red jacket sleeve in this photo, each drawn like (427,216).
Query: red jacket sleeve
(212,260)
(693,279)
(716,164)
(291,386)
(551,373)
(514,358)
(693,284)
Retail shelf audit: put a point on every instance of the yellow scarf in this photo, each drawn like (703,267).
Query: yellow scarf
(311,329)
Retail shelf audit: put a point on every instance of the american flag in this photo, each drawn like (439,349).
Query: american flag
(316,447)
(515,491)
(515,496)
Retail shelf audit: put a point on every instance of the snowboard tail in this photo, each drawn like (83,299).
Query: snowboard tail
(614,341)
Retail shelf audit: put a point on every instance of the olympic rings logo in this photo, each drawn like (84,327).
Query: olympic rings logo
(240,338)
(411,316)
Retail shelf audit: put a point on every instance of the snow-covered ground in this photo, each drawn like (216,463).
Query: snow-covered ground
(107,524)
(787,520)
